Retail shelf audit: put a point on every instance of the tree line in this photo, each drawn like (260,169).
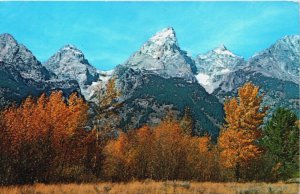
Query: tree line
(46,140)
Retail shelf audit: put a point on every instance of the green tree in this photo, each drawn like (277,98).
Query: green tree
(281,141)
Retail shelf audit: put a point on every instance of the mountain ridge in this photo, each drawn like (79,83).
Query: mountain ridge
(157,77)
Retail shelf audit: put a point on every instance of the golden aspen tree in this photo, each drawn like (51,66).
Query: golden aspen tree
(105,118)
(142,153)
(244,117)
(115,165)
(41,132)
(170,153)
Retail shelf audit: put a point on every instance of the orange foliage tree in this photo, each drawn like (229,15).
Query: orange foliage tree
(162,152)
(238,138)
(42,134)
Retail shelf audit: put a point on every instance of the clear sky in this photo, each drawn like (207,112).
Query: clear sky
(109,32)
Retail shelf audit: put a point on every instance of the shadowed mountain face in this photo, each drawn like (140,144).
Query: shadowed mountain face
(158,78)
(149,97)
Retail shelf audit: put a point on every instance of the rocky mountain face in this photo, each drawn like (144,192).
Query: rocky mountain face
(19,60)
(21,74)
(69,63)
(280,61)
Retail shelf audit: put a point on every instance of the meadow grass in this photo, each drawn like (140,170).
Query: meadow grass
(152,187)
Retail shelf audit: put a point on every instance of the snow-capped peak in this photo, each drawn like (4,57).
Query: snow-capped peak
(8,38)
(162,55)
(163,43)
(222,50)
(213,66)
(71,50)
(163,36)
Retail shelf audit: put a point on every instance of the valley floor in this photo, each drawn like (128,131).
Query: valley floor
(151,187)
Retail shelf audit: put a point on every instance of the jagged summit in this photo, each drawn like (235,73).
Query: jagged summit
(162,44)
(213,66)
(167,35)
(20,60)
(7,38)
(8,45)
(69,63)
(291,40)
(162,55)
(217,61)
(21,74)
(70,46)
(222,50)
(70,51)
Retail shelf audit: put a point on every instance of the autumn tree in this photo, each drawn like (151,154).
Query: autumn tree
(5,167)
(170,153)
(142,153)
(281,141)
(162,152)
(42,134)
(238,139)
(116,161)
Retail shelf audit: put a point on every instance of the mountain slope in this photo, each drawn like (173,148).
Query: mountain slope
(18,59)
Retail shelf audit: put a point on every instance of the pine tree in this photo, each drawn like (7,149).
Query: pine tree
(281,141)
(243,116)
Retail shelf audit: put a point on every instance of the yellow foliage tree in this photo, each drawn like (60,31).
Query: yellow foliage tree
(238,139)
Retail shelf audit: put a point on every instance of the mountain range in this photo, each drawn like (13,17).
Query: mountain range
(157,78)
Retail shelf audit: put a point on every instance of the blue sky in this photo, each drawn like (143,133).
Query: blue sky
(109,32)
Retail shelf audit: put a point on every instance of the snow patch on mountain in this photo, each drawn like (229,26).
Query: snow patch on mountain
(95,88)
